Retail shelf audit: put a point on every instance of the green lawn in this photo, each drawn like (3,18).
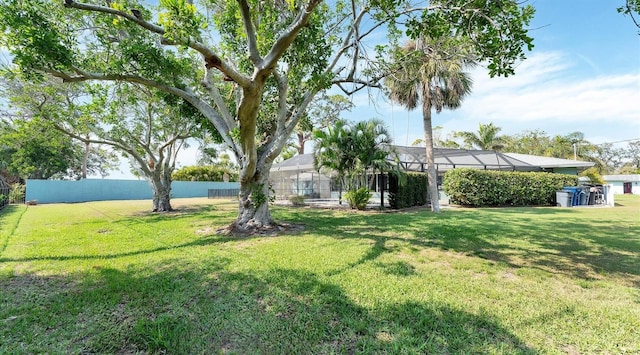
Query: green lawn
(108,277)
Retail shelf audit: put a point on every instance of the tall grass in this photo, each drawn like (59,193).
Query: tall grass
(108,277)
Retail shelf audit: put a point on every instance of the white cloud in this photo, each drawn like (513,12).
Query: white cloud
(543,90)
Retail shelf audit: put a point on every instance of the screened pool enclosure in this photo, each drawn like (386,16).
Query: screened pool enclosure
(298,177)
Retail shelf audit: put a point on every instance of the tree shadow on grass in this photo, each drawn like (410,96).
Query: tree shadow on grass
(105,256)
(150,226)
(181,214)
(209,309)
(587,249)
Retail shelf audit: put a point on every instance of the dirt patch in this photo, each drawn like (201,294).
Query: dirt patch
(509,275)
(178,211)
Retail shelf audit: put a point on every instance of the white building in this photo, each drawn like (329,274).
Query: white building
(624,184)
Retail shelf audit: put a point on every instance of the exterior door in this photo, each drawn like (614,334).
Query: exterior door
(626,187)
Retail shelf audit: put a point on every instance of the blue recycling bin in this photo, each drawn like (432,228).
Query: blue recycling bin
(579,195)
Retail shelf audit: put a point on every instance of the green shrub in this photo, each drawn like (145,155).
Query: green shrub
(358,198)
(16,194)
(203,173)
(296,200)
(408,190)
(470,187)
(594,175)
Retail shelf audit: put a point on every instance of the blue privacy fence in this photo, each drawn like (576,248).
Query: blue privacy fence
(52,191)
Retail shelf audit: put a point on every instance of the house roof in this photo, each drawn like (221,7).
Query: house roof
(300,162)
(549,162)
(625,178)
(414,158)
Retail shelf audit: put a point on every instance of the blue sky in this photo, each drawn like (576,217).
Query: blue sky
(583,75)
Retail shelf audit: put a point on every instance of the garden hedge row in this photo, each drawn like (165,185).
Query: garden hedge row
(407,191)
(470,187)
(203,173)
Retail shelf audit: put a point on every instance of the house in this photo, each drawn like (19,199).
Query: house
(624,184)
(297,176)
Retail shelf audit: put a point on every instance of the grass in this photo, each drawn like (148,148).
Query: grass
(108,277)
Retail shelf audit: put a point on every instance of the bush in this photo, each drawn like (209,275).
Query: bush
(296,200)
(16,194)
(408,190)
(203,173)
(470,187)
(358,198)
(593,175)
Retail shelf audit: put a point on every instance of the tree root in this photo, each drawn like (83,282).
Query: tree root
(263,230)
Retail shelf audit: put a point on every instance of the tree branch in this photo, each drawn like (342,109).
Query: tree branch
(207,83)
(212,60)
(284,41)
(252,42)
(198,103)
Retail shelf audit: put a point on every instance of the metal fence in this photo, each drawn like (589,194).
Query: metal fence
(9,195)
(4,196)
(221,193)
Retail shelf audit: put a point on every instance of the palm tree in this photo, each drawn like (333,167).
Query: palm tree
(431,72)
(370,139)
(333,150)
(486,138)
(352,150)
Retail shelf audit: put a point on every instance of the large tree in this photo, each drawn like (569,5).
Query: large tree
(570,146)
(608,158)
(431,71)
(144,125)
(632,9)
(632,153)
(34,149)
(250,67)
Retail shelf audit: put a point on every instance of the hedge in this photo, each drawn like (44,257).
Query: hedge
(408,190)
(203,173)
(470,187)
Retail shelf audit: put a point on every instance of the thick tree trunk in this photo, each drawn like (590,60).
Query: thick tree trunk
(253,204)
(161,188)
(431,168)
